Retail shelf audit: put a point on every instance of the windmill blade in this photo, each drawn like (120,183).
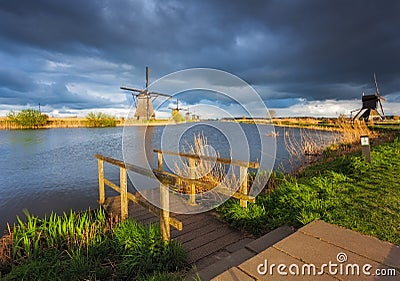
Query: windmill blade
(147,77)
(376,85)
(131,89)
(383,113)
(160,94)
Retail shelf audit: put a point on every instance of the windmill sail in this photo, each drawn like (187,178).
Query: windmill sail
(144,108)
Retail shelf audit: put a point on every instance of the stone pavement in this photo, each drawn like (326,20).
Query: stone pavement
(318,251)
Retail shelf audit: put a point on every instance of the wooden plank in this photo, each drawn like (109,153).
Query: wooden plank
(102,196)
(112,185)
(175,223)
(197,230)
(110,160)
(124,193)
(136,198)
(236,195)
(243,176)
(192,194)
(213,246)
(210,236)
(254,165)
(160,160)
(164,214)
(121,164)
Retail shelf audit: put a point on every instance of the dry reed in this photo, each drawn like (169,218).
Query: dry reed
(310,145)
(207,171)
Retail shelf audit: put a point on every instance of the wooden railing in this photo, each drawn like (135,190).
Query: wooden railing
(165,219)
(167,179)
(243,192)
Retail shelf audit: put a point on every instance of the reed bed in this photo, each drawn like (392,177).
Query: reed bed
(311,145)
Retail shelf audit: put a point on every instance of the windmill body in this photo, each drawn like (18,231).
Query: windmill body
(144,109)
(369,104)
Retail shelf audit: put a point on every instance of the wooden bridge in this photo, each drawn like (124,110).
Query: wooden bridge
(201,234)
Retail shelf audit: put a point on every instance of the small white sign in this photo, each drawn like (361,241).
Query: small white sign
(364,141)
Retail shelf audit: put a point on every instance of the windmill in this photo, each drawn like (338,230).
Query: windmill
(176,111)
(144,98)
(370,103)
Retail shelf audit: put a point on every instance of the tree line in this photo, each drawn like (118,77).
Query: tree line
(34,119)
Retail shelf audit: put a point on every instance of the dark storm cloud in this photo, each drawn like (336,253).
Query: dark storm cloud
(287,49)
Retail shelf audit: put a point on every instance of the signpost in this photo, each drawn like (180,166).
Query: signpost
(365,148)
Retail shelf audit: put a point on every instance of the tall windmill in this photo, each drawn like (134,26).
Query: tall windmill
(370,103)
(144,100)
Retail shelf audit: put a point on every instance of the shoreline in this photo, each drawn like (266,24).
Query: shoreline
(81,122)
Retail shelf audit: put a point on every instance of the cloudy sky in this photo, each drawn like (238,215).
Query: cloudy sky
(303,57)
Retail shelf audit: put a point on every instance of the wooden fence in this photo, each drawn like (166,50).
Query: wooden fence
(167,179)
(243,192)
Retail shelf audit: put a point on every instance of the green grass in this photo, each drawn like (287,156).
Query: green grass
(85,247)
(346,191)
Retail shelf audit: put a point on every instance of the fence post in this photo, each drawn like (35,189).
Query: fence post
(101,181)
(124,193)
(164,213)
(160,160)
(243,187)
(192,191)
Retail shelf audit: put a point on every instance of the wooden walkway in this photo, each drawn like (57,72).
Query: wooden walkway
(205,238)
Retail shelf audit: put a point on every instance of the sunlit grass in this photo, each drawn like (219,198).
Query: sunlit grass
(86,246)
(347,191)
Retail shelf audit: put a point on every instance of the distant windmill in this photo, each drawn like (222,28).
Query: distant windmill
(144,108)
(177,108)
(370,103)
(176,111)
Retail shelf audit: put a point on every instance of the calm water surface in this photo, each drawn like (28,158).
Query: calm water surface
(55,169)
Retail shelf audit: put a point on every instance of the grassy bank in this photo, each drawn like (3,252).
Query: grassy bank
(87,246)
(346,191)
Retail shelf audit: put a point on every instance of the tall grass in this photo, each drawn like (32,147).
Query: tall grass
(85,246)
(144,252)
(66,232)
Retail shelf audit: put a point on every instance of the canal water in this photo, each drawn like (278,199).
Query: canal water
(55,169)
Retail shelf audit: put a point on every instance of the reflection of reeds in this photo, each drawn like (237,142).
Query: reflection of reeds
(210,172)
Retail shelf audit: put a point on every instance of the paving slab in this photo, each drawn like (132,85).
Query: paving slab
(312,250)
(230,261)
(264,266)
(233,274)
(367,246)
(270,239)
